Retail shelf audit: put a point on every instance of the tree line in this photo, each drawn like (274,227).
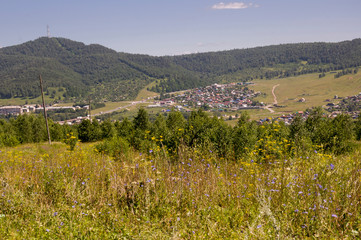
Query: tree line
(269,140)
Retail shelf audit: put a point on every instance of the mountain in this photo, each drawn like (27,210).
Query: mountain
(63,63)
(80,70)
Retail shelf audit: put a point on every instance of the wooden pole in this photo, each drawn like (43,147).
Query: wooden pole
(46,117)
(90,116)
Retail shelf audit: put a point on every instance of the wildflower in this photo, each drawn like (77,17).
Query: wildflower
(332,166)
(259,226)
(334,215)
(55,214)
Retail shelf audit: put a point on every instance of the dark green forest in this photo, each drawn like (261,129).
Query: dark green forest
(104,74)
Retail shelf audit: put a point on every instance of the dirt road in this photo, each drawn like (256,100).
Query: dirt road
(268,107)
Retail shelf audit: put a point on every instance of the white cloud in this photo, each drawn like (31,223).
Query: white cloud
(234,5)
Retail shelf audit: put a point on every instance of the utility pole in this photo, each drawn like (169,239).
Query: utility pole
(46,117)
(90,116)
(48,31)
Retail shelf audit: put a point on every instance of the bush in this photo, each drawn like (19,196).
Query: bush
(116,147)
(71,141)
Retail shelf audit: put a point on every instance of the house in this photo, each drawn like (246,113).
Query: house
(16,110)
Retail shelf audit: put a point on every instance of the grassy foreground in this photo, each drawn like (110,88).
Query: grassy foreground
(48,192)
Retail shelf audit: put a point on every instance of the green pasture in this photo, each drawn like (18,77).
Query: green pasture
(48,98)
(144,94)
(315,90)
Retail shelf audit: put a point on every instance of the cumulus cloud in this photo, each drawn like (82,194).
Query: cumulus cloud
(233,5)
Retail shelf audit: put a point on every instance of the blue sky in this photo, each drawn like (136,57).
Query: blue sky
(172,27)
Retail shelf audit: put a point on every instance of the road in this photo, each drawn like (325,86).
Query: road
(274,95)
(268,107)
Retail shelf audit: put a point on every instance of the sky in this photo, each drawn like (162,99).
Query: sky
(174,27)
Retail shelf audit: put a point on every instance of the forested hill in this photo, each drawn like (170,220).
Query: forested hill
(343,54)
(81,70)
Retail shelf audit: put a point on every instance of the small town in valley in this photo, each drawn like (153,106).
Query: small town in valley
(217,97)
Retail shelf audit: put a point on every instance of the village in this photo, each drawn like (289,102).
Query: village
(220,98)
(350,105)
(216,97)
(18,110)
(35,108)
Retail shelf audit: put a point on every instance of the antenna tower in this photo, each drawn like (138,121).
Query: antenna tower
(48,31)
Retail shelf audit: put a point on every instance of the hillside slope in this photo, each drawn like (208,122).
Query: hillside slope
(104,74)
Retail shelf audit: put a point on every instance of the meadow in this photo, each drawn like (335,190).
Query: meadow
(315,90)
(50,192)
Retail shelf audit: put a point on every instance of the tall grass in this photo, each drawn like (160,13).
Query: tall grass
(48,192)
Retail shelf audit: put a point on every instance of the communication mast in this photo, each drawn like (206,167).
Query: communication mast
(48,31)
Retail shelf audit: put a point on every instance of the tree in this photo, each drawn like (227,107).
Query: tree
(141,120)
(24,130)
(318,127)
(244,136)
(84,131)
(299,134)
(89,131)
(125,129)
(342,134)
(107,129)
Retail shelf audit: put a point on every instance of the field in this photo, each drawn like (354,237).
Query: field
(58,95)
(144,93)
(315,90)
(48,192)
(109,106)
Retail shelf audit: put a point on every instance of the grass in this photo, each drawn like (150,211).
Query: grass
(70,104)
(110,106)
(315,90)
(48,192)
(133,110)
(144,94)
(23,101)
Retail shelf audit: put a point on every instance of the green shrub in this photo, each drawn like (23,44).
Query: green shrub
(116,147)
(71,141)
